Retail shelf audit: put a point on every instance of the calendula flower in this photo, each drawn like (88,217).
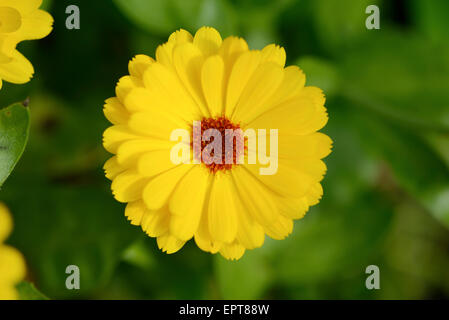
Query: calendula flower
(12,263)
(200,83)
(20,20)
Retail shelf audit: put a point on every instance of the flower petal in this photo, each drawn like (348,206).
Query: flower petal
(242,71)
(112,168)
(260,87)
(187,201)
(139,64)
(274,53)
(212,82)
(233,251)
(159,189)
(128,186)
(115,112)
(222,209)
(169,244)
(258,199)
(155,162)
(208,40)
(18,70)
(188,61)
(156,223)
(135,211)
(5,222)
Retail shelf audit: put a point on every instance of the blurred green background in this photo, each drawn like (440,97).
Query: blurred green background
(386,196)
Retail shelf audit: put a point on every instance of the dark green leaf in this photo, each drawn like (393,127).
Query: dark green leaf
(14,129)
(27,291)
(431,18)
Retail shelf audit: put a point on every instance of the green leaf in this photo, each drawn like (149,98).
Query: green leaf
(164,17)
(340,23)
(247,278)
(82,226)
(416,165)
(431,18)
(150,15)
(320,73)
(14,130)
(402,76)
(27,291)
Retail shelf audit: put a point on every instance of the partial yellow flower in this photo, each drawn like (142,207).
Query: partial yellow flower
(225,208)
(12,263)
(20,20)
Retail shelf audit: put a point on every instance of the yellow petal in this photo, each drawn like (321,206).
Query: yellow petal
(250,234)
(300,115)
(5,222)
(258,199)
(262,85)
(242,71)
(164,53)
(188,61)
(208,40)
(169,244)
(167,93)
(18,70)
(279,229)
(315,193)
(25,6)
(8,292)
(35,25)
(12,265)
(11,20)
(222,209)
(157,124)
(138,99)
(114,136)
(159,189)
(187,201)
(155,162)
(294,208)
(290,180)
(128,186)
(139,64)
(292,85)
(274,53)
(232,251)
(112,168)
(124,87)
(156,223)
(212,81)
(128,152)
(135,211)
(203,239)
(115,112)
(316,145)
(231,49)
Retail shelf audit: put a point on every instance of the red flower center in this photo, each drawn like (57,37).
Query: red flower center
(232,143)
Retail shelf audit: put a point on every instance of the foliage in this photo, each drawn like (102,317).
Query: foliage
(386,198)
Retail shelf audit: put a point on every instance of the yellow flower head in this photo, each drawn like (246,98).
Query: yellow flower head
(20,20)
(227,207)
(12,264)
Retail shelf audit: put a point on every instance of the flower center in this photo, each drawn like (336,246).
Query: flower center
(218,143)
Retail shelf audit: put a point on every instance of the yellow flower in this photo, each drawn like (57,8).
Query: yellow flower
(20,20)
(225,208)
(12,264)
